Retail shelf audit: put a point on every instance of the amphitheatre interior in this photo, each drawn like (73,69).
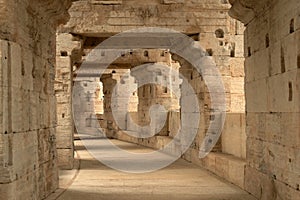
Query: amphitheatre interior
(75,74)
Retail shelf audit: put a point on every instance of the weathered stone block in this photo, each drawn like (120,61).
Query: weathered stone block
(239,45)
(222,167)
(65,158)
(259,184)
(256,89)
(64,136)
(237,104)
(261,64)
(234,135)
(237,85)
(236,172)
(282,94)
(237,67)
(174,123)
(276,60)
(7,190)
(290,50)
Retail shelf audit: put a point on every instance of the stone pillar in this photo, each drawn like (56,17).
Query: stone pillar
(28,158)
(109,127)
(63,92)
(98,98)
(227,50)
(151,94)
(117,85)
(84,102)
(195,80)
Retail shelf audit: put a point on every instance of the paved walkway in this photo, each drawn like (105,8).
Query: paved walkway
(179,181)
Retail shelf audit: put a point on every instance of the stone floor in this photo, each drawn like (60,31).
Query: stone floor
(179,181)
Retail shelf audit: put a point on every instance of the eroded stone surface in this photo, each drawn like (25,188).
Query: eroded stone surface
(34,137)
(209,25)
(272,95)
(28,156)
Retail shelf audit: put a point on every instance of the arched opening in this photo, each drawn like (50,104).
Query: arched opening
(221,48)
(37,122)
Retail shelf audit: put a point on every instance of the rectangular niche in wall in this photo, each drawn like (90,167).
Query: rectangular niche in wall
(292,26)
(298,61)
(63,53)
(282,60)
(290,91)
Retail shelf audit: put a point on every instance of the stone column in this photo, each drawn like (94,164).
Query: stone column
(151,94)
(117,85)
(84,103)
(98,98)
(109,127)
(63,92)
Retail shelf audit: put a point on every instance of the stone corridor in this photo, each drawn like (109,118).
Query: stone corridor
(212,84)
(180,181)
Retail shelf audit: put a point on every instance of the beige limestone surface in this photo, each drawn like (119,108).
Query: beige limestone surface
(179,181)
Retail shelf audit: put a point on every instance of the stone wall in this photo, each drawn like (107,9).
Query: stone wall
(85,100)
(99,19)
(66,49)
(227,53)
(272,39)
(28,158)
(227,157)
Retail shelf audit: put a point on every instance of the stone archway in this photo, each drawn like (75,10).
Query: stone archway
(220,35)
